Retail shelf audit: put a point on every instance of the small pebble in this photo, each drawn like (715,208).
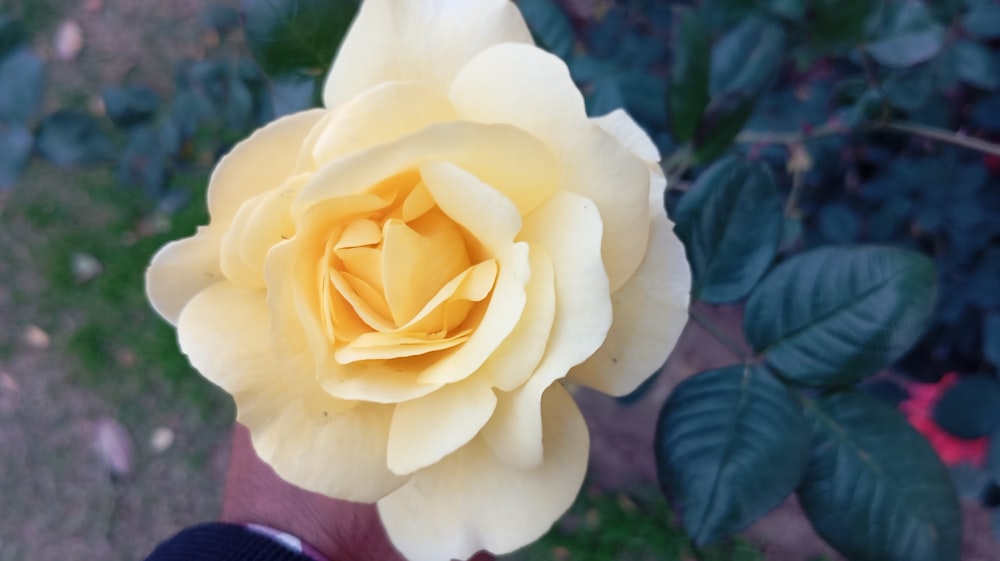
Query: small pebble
(161,440)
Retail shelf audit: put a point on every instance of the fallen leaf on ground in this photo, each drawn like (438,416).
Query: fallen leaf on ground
(36,337)
(113,446)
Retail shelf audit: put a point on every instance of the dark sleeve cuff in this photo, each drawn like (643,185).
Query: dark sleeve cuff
(222,542)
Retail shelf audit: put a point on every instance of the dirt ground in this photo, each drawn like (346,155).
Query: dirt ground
(60,499)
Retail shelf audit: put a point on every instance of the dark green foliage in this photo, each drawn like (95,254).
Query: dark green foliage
(731,445)
(690,50)
(549,25)
(292,35)
(130,105)
(730,223)
(69,138)
(21,82)
(16,144)
(969,408)
(835,315)
(874,488)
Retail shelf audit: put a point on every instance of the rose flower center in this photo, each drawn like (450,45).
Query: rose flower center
(401,281)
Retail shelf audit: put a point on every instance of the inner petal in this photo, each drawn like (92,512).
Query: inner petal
(417,260)
(449,307)
(381,346)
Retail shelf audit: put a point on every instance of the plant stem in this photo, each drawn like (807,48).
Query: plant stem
(933,133)
(719,336)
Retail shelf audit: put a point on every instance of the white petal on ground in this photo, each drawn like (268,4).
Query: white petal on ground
(182,269)
(425,41)
(471,500)
(312,440)
(533,90)
(650,311)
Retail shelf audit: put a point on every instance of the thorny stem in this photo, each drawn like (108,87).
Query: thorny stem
(721,337)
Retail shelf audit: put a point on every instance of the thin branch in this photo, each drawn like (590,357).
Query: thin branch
(719,336)
(934,133)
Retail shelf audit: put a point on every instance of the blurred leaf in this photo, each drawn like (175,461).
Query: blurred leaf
(724,118)
(641,94)
(731,444)
(128,106)
(982,21)
(910,89)
(68,138)
(223,19)
(839,224)
(834,315)
(791,232)
(689,72)
(875,490)
(986,113)
(970,408)
(793,10)
(730,223)
(12,35)
(747,59)
(292,93)
(991,338)
(908,48)
(144,161)
(549,25)
(864,110)
(21,82)
(976,65)
(16,144)
(838,24)
(292,35)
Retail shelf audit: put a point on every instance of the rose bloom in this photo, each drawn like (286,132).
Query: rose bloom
(393,286)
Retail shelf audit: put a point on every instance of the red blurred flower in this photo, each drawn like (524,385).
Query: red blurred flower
(919,410)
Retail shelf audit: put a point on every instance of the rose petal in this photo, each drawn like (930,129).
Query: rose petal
(427,429)
(471,501)
(182,269)
(650,311)
(224,331)
(505,158)
(569,227)
(260,163)
(533,90)
(380,115)
(419,40)
(377,381)
(620,125)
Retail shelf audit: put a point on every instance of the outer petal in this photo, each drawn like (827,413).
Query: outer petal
(619,125)
(312,440)
(533,90)
(262,162)
(650,311)
(182,269)
(425,41)
(471,501)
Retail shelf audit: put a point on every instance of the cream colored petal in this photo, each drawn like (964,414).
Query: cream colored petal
(269,224)
(620,125)
(533,90)
(509,160)
(427,429)
(376,381)
(380,115)
(425,41)
(237,270)
(502,314)
(515,359)
(303,433)
(486,213)
(650,311)
(568,226)
(471,501)
(385,346)
(182,269)
(260,163)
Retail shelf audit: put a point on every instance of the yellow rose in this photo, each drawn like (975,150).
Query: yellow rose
(392,287)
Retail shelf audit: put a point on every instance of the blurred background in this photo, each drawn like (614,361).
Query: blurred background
(113,112)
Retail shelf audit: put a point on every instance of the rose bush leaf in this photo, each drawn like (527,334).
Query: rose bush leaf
(747,59)
(875,490)
(730,223)
(731,445)
(68,138)
(723,120)
(834,315)
(549,25)
(689,72)
(982,20)
(16,144)
(971,408)
(976,65)
(292,35)
(21,84)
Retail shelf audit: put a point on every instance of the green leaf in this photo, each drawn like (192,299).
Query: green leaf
(12,35)
(731,444)
(976,65)
(792,10)
(908,49)
(16,144)
(971,408)
(689,70)
(837,25)
(68,138)
(982,21)
(724,118)
(747,59)
(730,223)
(295,35)
(130,105)
(21,83)
(875,490)
(834,315)
(909,89)
(991,338)
(549,25)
